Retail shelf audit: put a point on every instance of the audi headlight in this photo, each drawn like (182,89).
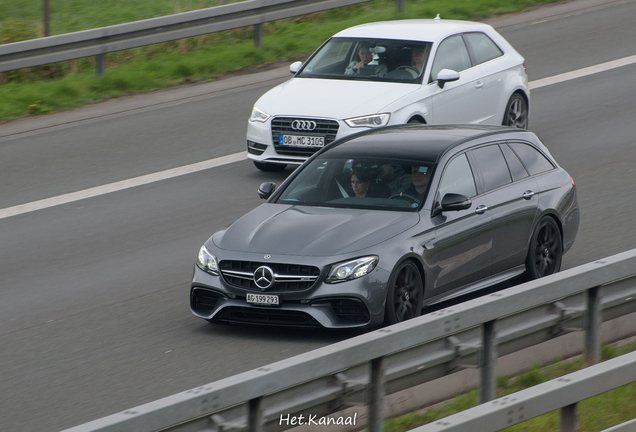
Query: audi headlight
(369,121)
(259,116)
(207,262)
(352,269)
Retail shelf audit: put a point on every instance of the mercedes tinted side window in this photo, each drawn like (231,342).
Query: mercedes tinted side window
(491,166)
(451,54)
(458,178)
(532,159)
(516,168)
(482,47)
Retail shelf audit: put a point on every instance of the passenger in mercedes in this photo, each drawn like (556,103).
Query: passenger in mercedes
(360,180)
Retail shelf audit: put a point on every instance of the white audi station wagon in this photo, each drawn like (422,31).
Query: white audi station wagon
(395,72)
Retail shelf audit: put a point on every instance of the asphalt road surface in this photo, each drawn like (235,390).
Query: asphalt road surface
(94,314)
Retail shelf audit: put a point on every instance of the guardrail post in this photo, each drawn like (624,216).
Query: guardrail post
(258,35)
(100,64)
(400,6)
(593,326)
(488,363)
(255,416)
(47,15)
(376,396)
(569,418)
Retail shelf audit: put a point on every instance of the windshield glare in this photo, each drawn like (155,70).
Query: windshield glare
(369,59)
(370,183)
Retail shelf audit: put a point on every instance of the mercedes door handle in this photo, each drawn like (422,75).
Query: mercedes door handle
(479,85)
(481,209)
(528,194)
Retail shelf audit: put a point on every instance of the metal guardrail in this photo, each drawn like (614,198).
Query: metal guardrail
(564,393)
(100,41)
(365,368)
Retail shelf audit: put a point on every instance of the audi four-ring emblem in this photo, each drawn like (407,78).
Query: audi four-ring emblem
(306,125)
(264,277)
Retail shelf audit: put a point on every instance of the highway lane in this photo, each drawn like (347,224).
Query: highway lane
(94,314)
(110,142)
(587,124)
(117,140)
(567,36)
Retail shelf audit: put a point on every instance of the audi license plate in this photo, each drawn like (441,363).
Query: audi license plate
(262,299)
(301,141)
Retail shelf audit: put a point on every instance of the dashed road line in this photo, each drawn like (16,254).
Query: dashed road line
(237,157)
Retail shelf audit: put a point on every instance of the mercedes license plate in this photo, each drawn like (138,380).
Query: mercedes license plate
(262,299)
(301,141)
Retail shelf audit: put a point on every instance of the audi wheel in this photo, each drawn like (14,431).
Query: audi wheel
(516,114)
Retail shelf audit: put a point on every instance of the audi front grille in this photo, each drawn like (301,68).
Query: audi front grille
(287,277)
(283,125)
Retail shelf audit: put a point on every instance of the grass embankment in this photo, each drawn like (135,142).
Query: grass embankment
(74,83)
(595,414)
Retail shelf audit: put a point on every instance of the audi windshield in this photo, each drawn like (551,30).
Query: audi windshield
(368,59)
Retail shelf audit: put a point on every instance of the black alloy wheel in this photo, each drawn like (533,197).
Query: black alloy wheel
(516,114)
(406,291)
(269,167)
(546,250)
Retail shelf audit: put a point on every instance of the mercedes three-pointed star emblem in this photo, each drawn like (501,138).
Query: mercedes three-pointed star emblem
(264,277)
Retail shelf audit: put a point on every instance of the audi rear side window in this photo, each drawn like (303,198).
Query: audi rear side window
(482,47)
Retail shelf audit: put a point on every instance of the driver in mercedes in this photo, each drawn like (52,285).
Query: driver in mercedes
(420,175)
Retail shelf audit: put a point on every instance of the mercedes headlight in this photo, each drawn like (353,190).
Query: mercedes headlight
(259,116)
(352,269)
(207,262)
(369,121)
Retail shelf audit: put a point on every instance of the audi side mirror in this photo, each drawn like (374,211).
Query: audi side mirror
(295,67)
(265,190)
(446,75)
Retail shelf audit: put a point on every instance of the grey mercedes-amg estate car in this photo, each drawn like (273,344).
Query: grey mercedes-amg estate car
(379,224)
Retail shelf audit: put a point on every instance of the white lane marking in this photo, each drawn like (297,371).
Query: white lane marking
(583,72)
(120,185)
(212,163)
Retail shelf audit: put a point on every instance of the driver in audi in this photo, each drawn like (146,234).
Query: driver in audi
(417,54)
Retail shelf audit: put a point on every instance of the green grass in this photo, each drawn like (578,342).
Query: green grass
(68,16)
(73,84)
(595,414)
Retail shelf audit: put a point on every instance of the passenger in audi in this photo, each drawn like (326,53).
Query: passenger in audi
(363,66)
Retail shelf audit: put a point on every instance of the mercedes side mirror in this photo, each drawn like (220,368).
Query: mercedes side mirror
(446,75)
(454,202)
(295,67)
(266,190)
